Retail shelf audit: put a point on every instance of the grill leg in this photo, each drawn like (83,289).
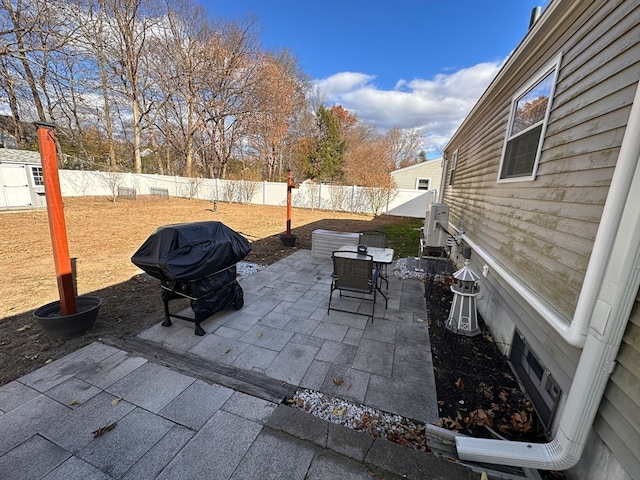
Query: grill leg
(167,315)
(199,330)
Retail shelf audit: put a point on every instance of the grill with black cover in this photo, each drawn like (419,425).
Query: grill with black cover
(197,261)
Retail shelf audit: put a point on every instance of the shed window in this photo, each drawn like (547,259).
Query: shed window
(527,124)
(422,183)
(38,179)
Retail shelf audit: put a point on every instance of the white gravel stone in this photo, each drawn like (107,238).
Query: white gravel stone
(355,416)
(244,269)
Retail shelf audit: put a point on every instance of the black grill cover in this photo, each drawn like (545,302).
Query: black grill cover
(190,251)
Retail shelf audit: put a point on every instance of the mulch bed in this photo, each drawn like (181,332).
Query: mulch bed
(478,393)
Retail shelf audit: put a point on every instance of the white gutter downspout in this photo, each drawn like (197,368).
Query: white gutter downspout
(614,288)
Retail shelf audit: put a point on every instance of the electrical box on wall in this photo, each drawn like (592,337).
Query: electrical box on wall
(434,236)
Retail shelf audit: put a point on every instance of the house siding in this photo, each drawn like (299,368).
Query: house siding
(618,420)
(543,231)
(431,169)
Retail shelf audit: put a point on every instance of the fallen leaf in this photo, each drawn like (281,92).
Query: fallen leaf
(116,401)
(481,417)
(338,380)
(459,383)
(49,360)
(73,402)
(259,334)
(228,350)
(339,411)
(448,422)
(24,328)
(102,430)
(520,422)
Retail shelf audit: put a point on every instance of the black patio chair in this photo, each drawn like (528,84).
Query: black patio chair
(353,272)
(375,238)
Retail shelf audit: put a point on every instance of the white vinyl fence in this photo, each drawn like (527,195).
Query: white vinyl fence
(400,202)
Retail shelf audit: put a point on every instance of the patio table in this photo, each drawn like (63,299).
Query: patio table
(381,256)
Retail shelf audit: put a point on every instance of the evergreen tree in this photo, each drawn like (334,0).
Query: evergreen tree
(324,159)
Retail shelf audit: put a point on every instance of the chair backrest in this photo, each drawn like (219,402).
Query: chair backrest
(353,271)
(373,238)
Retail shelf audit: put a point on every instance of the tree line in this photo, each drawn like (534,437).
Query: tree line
(157,86)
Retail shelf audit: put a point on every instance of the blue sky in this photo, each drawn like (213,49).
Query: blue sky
(401,63)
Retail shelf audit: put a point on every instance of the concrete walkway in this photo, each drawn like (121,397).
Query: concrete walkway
(173,405)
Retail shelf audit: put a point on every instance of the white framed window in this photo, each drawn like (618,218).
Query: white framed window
(452,173)
(38,178)
(423,183)
(528,119)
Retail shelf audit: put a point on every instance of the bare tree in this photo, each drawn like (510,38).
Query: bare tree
(95,41)
(191,187)
(8,85)
(179,63)
(279,96)
(338,197)
(229,90)
(31,32)
(133,21)
(113,180)
(230,190)
(368,160)
(379,197)
(312,190)
(405,146)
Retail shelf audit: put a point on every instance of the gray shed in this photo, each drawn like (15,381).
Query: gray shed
(21,180)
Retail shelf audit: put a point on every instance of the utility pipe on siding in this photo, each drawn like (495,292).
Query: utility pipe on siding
(616,273)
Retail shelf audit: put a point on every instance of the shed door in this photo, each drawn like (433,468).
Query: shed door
(15,186)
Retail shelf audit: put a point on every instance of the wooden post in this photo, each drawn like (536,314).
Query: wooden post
(57,226)
(290,186)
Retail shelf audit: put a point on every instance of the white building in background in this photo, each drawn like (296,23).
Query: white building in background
(421,176)
(21,181)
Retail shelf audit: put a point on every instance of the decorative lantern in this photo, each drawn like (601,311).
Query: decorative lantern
(463,318)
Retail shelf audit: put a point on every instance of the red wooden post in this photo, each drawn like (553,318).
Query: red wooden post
(290,185)
(57,226)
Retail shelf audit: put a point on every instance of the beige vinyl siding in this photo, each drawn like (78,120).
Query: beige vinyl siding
(618,419)
(543,230)
(431,169)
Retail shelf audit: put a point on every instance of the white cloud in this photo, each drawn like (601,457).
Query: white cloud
(342,82)
(436,106)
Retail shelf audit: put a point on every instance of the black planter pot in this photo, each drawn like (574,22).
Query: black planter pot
(288,240)
(64,327)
